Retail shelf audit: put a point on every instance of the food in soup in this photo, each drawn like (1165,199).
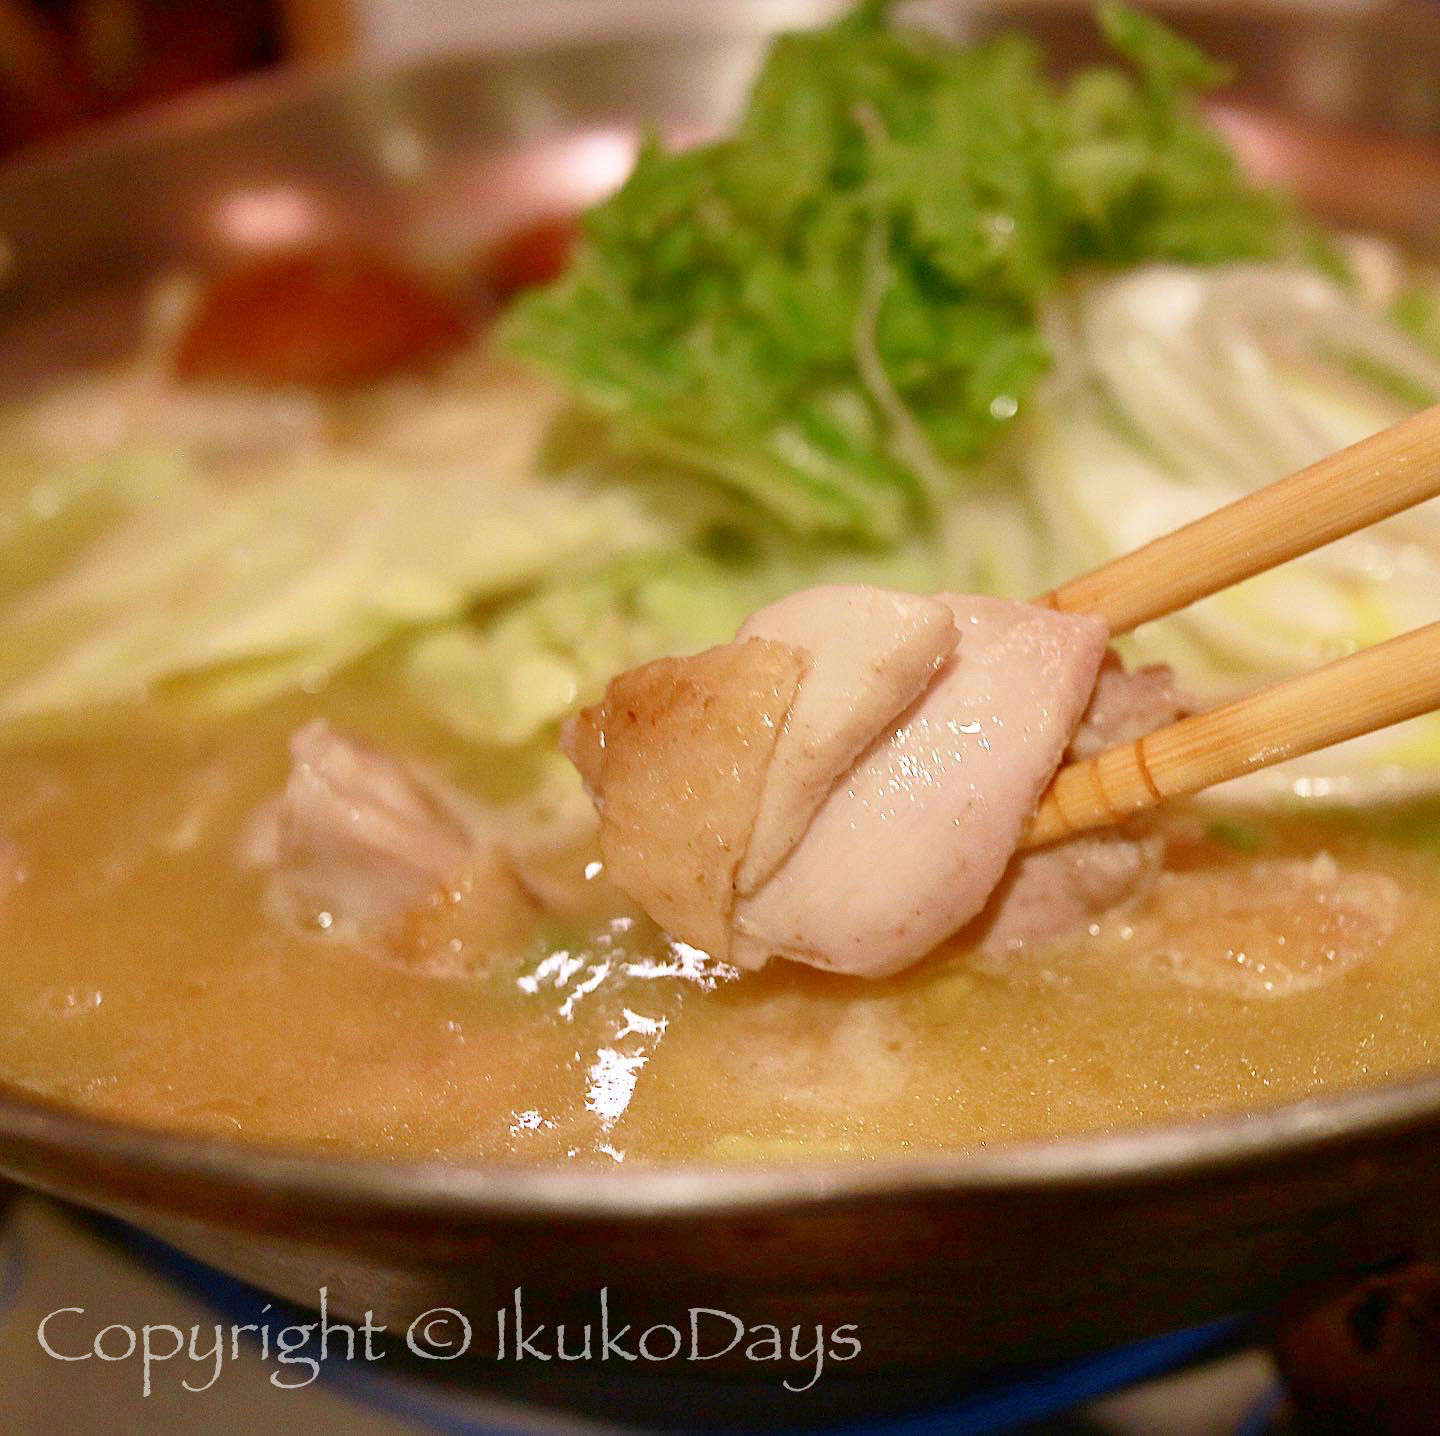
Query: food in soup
(910,740)
(290,851)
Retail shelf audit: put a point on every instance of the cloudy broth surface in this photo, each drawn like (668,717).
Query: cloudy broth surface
(145,982)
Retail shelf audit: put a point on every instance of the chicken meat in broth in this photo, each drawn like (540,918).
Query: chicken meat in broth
(735,499)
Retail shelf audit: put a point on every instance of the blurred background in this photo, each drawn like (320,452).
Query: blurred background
(66,64)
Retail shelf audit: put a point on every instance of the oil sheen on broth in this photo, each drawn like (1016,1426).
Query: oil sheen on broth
(144,983)
(321,479)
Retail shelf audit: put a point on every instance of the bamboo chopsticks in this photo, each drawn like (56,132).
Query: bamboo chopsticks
(1383,475)
(1369,481)
(1368,690)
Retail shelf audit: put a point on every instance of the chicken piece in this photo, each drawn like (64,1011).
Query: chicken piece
(909,845)
(1126,706)
(1048,893)
(1059,888)
(356,834)
(872,653)
(676,755)
(1271,929)
(483,915)
(583,740)
(362,847)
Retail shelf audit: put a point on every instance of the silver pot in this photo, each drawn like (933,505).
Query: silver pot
(948,1265)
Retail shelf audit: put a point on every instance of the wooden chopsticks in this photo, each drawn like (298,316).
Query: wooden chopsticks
(1383,475)
(1369,481)
(1368,690)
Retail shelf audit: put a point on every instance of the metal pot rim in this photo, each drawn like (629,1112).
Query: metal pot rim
(122,1157)
(1164,1155)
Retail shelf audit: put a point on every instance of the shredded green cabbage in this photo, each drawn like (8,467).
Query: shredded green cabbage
(838,308)
(504,677)
(255,580)
(932,321)
(50,507)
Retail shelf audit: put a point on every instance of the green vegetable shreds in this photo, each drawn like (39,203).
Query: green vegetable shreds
(837,308)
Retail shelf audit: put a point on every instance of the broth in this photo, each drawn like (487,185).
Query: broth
(935,357)
(143,982)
